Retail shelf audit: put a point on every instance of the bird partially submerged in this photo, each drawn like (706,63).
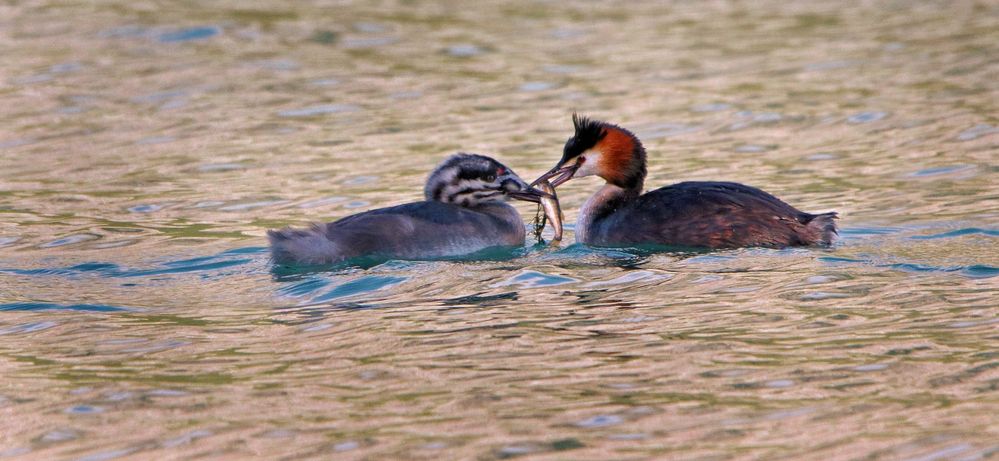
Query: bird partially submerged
(464,212)
(688,214)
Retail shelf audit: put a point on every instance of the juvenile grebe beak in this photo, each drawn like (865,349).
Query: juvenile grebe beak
(527,193)
(561,173)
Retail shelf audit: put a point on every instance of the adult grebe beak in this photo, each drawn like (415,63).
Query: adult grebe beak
(528,193)
(558,175)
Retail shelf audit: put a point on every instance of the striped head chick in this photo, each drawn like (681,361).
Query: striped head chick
(471,180)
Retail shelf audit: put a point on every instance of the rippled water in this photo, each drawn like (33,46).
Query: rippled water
(147,147)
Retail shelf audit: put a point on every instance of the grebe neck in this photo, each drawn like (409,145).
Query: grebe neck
(602,203)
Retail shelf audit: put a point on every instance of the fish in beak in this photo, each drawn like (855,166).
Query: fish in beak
(553,212)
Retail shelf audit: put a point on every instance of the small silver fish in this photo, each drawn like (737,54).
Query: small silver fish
(553,212)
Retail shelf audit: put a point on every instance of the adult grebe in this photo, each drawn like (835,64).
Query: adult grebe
(689,214)
(465,211)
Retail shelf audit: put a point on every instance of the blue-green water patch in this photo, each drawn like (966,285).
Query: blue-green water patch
(959,233)
(29,327)
(941,170)
(304,287)
(851,231)
(866,117)
(313,111)
(360,286)
(971,271)
(535,279)
(226,259)
(189,34)
(182,269)
(39,306)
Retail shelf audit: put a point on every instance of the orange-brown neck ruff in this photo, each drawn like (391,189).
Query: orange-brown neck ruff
(617,158)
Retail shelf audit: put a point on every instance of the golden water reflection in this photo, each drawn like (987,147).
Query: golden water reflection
(146,149)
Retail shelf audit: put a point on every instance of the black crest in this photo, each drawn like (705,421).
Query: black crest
(588,133)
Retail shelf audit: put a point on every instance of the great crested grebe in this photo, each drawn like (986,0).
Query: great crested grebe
(689,214)
(465,211)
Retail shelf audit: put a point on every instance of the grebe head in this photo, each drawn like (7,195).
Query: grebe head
(470,180)
(602,149)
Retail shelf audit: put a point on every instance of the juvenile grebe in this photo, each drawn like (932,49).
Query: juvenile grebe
(690,214)
(465,211)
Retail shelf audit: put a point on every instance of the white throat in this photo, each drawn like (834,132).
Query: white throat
(590,159)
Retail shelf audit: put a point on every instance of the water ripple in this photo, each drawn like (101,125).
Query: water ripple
(959,233)
(319,110)
(866,117)
(38,306)
(360,286)
(186,134)
(70,240)
(534,279)
(27,327)
(601,421)
(189,34)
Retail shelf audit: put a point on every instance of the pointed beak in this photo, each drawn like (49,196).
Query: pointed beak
(528,193)
(558,175)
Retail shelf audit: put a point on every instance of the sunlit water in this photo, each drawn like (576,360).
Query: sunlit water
(147,147)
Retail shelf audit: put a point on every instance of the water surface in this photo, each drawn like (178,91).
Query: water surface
(146,150)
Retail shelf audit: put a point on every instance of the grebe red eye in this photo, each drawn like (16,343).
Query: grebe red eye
(500,171)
